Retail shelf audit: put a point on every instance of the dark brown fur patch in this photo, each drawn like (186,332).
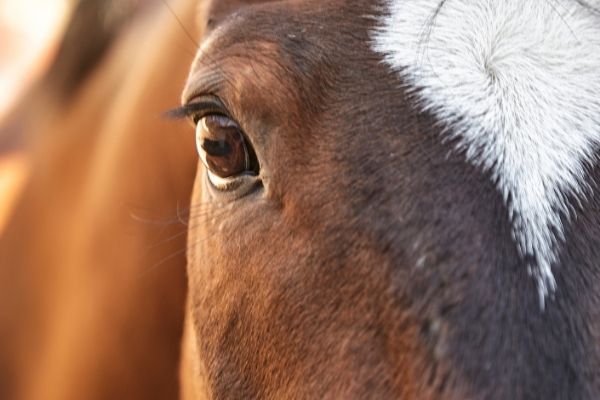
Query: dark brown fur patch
(374,262)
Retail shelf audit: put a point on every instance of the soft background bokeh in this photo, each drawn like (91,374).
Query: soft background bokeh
(29,35)
(94,184)
(29,30)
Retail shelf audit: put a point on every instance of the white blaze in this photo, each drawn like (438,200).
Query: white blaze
(518,81)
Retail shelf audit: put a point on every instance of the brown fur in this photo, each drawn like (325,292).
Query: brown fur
(371,261)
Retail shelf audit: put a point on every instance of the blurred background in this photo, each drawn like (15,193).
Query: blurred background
(30,30)
(28,43)
(95,185)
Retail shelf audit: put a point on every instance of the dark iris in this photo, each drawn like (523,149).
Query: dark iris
(216,148)
(223,148)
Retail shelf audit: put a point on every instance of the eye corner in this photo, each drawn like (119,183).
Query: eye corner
(195,118)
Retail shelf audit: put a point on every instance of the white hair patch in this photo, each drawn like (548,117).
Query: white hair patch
(518,83)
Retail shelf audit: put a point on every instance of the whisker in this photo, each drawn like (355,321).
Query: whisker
(161,262)
(181,24)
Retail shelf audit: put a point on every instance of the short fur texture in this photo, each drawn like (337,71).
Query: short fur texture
(517,83)
(376,256)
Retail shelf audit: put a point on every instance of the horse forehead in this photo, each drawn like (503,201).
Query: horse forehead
(517,83)
(304,22)
(218,10)
(293,42)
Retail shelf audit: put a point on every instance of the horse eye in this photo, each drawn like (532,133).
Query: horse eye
(223,148)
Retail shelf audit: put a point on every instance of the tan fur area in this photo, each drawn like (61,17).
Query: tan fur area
(193,386)
(14,169)
(92,275)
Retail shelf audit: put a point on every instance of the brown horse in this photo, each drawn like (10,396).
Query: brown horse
(92,261)
(398,199)
(395,199)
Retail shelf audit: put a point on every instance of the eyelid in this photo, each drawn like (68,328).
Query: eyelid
(198,108)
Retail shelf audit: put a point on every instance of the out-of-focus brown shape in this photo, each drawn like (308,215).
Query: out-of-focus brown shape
(92,260)
(90,33)
(14,170)
(28,43)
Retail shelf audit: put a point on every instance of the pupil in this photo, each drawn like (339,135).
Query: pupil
(216,148)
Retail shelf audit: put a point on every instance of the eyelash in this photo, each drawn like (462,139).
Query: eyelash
(198,108)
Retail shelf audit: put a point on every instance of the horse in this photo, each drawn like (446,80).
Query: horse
(92,263)
(395,199)
(391,199)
